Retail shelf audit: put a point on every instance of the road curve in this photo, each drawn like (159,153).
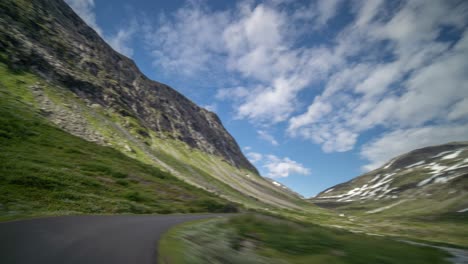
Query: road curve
(86,239)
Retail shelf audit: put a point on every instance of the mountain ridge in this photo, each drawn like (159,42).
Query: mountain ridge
(430,180)
(91,56)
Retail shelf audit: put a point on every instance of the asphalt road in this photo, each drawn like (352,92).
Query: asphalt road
(86,239)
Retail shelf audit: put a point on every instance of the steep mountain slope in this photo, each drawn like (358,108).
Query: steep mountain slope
(427,181)
(87,89)
(46,171)
(49,37)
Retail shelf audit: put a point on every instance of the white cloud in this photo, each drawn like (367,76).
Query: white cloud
(283,167)
(85,9)
(317,13)
(254,157)
(327,10)
(421,84)
(267,137)
(270,104)
(188,42)
(401,141)
(255,41)
(367,10)
(314,113)
(276,167)
(211,107)
(459,111)
(235,93)
(260,47)
(389,70)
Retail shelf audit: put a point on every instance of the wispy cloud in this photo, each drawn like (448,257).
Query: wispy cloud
(260,47)
(394,68)
(188,41)
(326,10)
(267,137)
(255,42)
(423,84)
(254,157)
(283,167)
(211,107)
(277,167)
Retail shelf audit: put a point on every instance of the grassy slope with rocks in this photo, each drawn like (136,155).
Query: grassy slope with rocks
(91,91)
(46,171)
(263,239)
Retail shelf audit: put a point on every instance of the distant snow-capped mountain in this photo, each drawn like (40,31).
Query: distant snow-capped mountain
(430,180)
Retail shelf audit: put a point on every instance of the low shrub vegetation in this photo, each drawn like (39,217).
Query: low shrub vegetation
(254,238)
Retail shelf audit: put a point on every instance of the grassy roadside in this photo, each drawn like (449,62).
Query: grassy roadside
(170,248)
(263,239)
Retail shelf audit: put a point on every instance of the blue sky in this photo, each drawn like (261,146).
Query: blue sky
(315,92)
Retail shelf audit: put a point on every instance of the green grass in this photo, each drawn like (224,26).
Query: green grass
(264,239)
(171,249)
(46,171)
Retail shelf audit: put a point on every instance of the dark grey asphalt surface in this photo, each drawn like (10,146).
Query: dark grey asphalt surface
(86,239)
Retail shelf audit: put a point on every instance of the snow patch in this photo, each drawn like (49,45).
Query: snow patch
(441,154)
(381,182)
(389,164)
(426,181)
(380,187)
(277,184)
(329,190)
(416,164)
(457,166)
(446,178)
(453,155)
(462,210)
(436,168)
(375,178)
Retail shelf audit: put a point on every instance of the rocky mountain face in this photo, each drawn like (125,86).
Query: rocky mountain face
(430,180)
(50,39)
(89,90)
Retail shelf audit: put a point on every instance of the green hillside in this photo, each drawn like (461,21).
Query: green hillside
(46,171)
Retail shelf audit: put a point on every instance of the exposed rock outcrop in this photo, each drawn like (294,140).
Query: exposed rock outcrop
(47,37)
